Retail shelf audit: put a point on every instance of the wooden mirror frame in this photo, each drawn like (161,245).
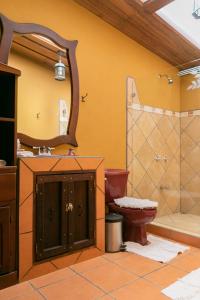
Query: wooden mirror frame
(8,28)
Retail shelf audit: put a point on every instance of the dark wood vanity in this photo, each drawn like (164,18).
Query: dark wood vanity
(64,213)
(61,212)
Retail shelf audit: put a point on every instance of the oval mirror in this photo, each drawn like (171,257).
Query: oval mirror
(48,90)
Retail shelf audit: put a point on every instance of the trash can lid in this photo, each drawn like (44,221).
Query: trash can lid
(112,218)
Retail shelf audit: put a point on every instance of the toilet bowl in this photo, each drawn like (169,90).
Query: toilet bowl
(135,219)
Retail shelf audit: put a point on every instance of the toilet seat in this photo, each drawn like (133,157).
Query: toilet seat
(130,202)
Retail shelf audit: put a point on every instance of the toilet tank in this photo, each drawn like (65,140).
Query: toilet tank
(115,183)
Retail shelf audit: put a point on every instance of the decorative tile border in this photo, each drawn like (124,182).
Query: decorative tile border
(160,111)
(156,110)
(190,113)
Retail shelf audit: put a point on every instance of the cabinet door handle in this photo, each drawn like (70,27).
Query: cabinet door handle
(69,207)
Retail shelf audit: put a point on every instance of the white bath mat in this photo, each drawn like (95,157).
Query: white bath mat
(159,249)
(186,288)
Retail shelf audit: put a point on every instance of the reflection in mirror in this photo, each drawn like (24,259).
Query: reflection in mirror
(43,102)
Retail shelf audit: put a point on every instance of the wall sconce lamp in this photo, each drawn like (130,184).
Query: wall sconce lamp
(196,9)
(60,68)
(169,79)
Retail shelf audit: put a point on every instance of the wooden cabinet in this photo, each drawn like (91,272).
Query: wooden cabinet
(65,213)
(8,225)
(8,257)
(8,88)
(7,234)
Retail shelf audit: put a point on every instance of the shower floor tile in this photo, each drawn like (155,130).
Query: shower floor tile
(186,223)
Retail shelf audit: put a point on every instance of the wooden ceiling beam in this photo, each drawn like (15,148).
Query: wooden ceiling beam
(148,29)
(152,6)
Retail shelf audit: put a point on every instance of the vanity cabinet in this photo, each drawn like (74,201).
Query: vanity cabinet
(65,213)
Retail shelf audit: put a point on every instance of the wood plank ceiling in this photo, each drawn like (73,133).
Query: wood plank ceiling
(138,20)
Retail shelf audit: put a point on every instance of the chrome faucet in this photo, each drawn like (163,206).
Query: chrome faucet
(44,150)
(49,150)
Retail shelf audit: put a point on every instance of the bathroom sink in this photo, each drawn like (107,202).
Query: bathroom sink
(52,155)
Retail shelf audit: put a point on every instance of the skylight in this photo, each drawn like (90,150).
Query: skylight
(178,14)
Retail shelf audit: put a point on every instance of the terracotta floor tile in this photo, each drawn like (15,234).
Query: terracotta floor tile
(138,264)
(89,264)
(193,250)
(139,290)
(30,296)
(52,277)
(106,297)
(165,276)
(73,289)
(116,256)
(15,291)
(109,276)
(113,273)
(188,262)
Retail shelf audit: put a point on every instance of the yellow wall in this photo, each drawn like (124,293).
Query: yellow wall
(105,58)
(190,99)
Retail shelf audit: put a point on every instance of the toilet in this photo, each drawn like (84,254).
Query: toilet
(136,215)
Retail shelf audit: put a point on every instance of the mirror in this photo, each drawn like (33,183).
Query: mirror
(46,114)
(47,108)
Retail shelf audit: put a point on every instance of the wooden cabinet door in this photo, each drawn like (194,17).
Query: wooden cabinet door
(65,213)
(7,237)
(51,222)
(82,215)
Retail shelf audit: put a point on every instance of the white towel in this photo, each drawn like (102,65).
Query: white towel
(181,291)
(185,288)
(159,249)
(193,278)
(130,202)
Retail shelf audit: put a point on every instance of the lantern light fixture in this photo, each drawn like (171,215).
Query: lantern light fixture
(60,68)
(196,9)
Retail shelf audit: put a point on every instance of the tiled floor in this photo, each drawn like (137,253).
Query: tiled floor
(186,223)
(120,276)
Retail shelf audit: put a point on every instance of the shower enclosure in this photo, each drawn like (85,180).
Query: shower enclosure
(163,153)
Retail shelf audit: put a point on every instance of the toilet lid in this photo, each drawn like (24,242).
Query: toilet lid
(130,202)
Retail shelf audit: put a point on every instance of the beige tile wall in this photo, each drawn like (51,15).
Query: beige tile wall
(174,182)
(150,135)
(190,163)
